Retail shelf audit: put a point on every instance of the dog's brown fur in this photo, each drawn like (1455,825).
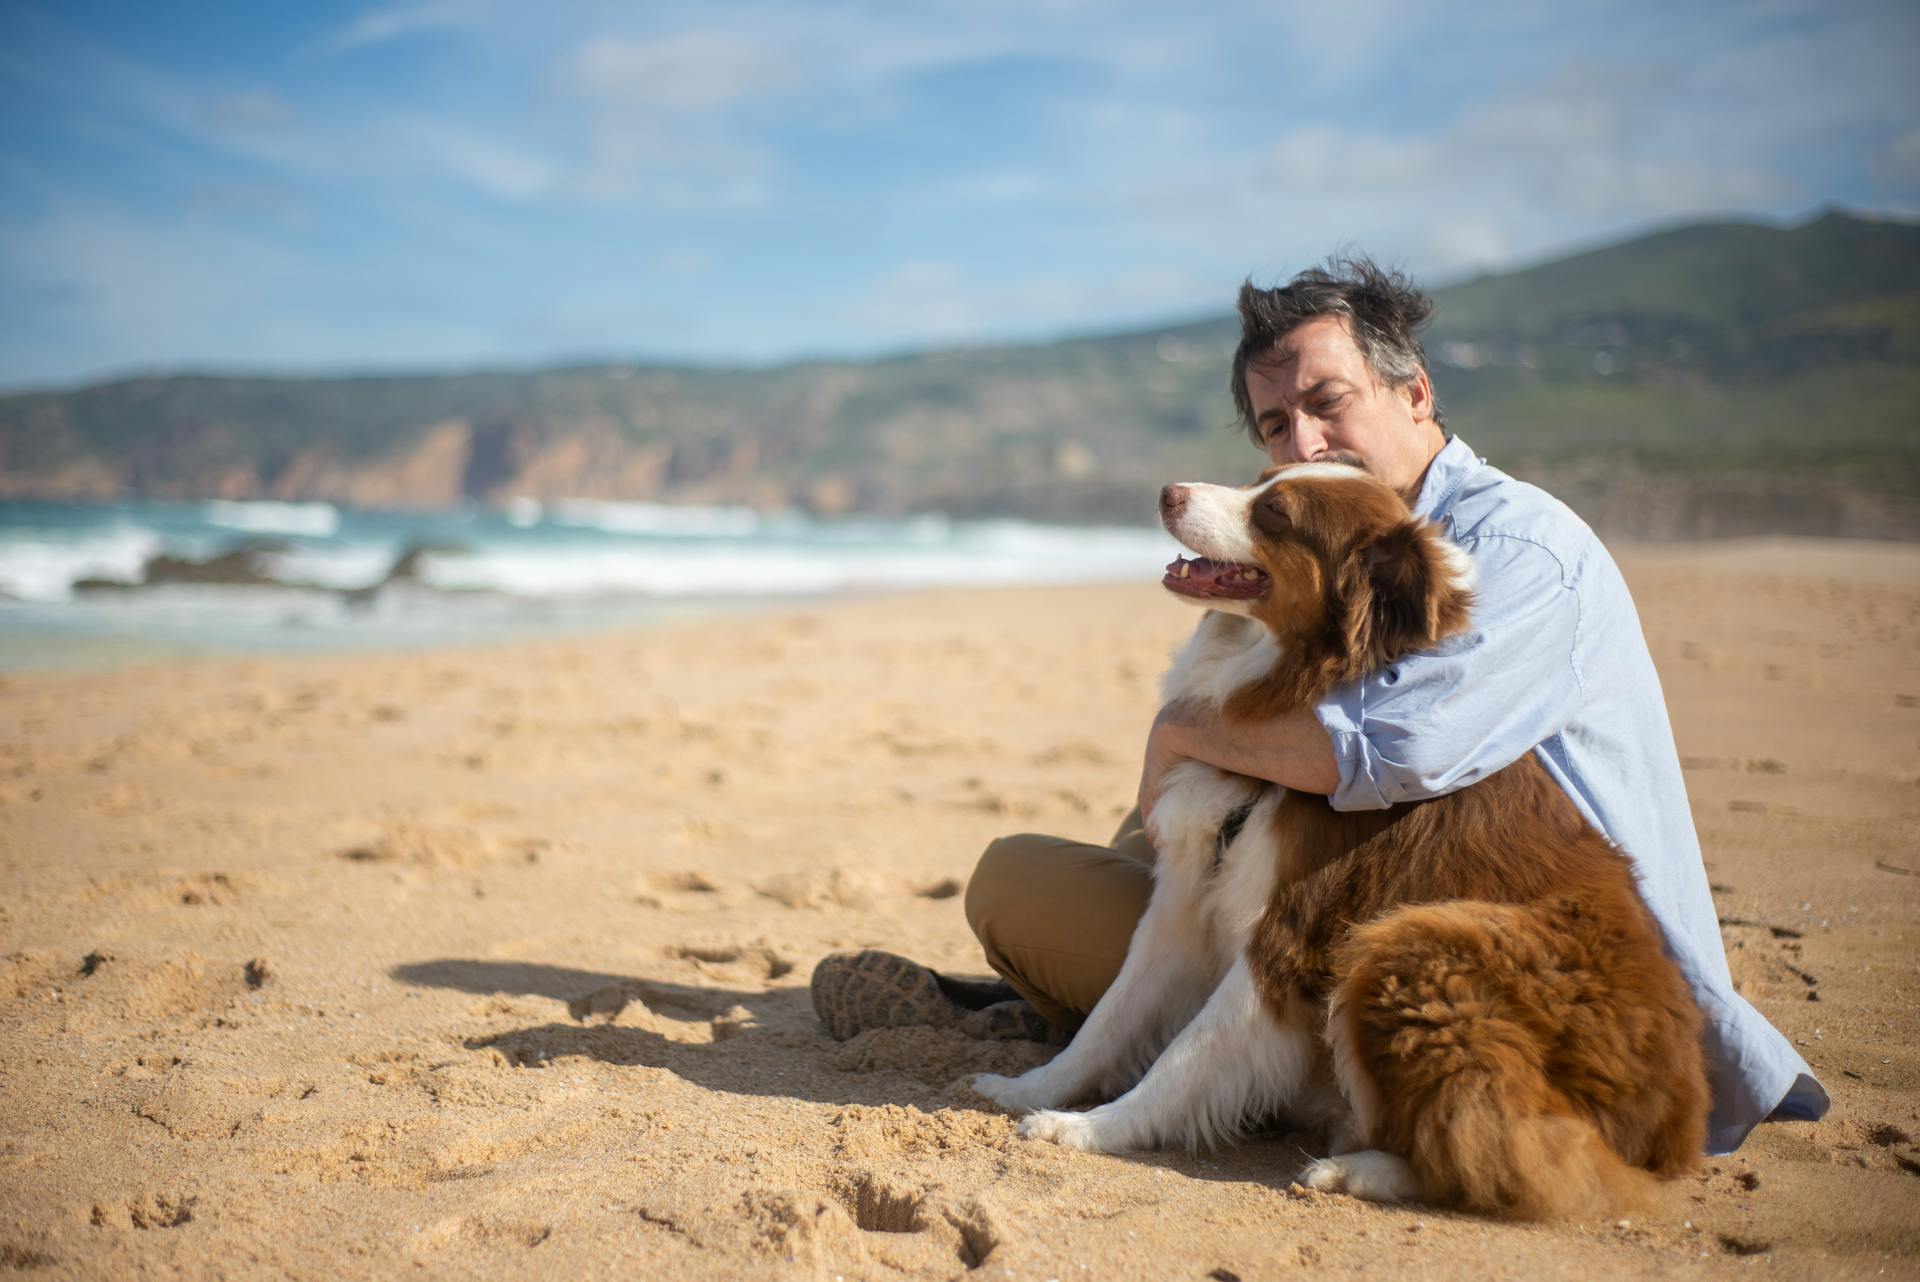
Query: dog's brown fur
(1534,1050)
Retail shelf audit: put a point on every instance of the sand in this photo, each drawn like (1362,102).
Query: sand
(493,961)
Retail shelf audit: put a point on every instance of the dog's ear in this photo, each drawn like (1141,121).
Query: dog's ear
(1422,589)
(1276,512)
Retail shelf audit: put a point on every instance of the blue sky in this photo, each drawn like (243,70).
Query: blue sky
(460,182)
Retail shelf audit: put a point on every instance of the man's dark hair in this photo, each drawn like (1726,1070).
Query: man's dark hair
(1383,309)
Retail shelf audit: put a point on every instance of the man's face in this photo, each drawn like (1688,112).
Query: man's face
(1314,395)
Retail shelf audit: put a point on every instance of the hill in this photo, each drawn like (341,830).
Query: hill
(1729,366)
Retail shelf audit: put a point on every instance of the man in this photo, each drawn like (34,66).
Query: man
(1554,664)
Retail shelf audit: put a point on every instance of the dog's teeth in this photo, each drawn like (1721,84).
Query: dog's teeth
(1186,569)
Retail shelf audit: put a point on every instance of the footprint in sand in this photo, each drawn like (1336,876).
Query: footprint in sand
(863,1214)
(1076,752)
(169,889)
(755,960)
(701,831)
(491,1230)
(145,991)
(126,801)
(22,1258)
(887,1133)
(1764,960)
(148,1211)
(426,846)
(942,1058)
(634,1002)
(682,890)
(819,888)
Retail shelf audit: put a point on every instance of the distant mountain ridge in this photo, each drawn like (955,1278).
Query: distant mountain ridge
(1781,366)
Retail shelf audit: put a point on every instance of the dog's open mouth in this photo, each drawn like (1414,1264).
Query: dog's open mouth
(1204,577)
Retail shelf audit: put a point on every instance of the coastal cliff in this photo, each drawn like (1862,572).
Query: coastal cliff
(1715,378)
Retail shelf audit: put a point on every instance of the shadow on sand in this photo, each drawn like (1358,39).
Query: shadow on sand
(767,1042)
(753,1041)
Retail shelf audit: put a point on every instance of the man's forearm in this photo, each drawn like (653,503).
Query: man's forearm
(1291,750)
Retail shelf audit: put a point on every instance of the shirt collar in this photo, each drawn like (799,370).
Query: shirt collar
(1450,468)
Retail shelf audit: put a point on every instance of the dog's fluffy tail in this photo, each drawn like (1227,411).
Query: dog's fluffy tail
(1470,1148)
(1515,1081)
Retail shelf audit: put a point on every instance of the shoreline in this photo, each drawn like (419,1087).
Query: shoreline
(1888,561)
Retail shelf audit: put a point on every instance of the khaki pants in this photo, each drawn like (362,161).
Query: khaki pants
(1055,916)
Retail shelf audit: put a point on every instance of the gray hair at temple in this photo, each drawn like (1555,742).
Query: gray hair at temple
(1383,311)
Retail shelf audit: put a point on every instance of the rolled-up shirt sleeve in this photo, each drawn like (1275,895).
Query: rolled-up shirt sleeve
(1442,719)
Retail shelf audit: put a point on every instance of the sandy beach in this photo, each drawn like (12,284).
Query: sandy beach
(493,961)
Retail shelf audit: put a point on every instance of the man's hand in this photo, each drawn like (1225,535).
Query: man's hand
(1168,744)
(1291,749)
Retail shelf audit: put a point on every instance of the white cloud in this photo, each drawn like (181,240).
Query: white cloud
(1565,160)
(1001,187)
(249,109)
(1161,155)
(1898,163)
(682,262)
(497,168)
(690,71)
(936,301)
(378,26)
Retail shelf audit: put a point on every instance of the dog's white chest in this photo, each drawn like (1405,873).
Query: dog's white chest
(1225,653)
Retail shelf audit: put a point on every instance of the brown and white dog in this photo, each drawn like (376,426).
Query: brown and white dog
(1466,992)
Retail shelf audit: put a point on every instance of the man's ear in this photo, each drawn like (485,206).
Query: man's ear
(1422,589)
(1419,393)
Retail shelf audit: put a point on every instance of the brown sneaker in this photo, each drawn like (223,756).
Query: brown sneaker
(855,991)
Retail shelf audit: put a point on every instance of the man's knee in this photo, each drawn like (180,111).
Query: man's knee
(997,876)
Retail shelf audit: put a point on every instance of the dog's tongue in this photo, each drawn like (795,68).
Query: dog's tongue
(1203,576)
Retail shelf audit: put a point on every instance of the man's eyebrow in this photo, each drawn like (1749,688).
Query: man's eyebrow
(1312,391)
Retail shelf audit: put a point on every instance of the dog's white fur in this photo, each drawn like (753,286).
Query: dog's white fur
(1184,1011)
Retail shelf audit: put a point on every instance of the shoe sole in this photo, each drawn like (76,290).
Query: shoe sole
(853,992)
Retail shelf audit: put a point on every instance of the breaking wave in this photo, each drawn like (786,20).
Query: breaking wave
(266,575)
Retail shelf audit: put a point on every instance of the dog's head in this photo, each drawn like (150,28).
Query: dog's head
(1330,560)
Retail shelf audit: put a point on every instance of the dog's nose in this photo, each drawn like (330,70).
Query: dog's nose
(1172,499)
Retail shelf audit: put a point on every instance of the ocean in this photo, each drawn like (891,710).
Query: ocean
(102,584)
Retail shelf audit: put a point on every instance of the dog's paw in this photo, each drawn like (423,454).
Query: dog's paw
(1068,1130)
(1373,1175)
(1016,1093)
(1004,1091)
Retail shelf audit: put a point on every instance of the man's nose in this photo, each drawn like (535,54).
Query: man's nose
(1173,499)
(1308,441)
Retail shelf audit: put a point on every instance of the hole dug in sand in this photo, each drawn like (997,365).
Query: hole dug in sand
(864,1216)
(877,1206)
